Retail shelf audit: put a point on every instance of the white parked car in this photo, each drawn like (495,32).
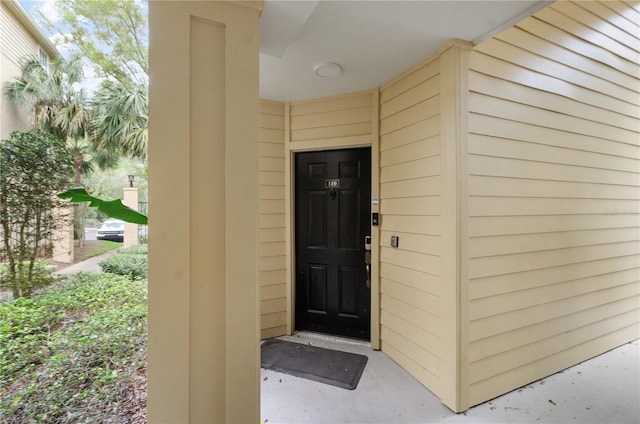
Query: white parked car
(111,229)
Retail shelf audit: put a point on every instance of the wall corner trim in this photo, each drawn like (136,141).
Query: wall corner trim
(455,42)
(454,131)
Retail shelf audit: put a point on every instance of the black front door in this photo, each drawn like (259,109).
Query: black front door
(332,204)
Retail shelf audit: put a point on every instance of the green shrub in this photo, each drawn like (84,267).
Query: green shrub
(70,353)
(131,262)
(141,249)
(42,275)
(34,166)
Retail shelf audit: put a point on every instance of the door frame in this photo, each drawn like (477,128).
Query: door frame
(290,149)
(341,257)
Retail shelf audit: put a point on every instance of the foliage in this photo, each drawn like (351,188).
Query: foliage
(42,275)
(69,354)
(34,166)
(113,208)
(121,115)
(108,184)
(131,262)
(52,95)
(59,107)
(104,247)
(140,250)
(112,34)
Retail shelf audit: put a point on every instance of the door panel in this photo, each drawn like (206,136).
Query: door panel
(317,291)
(348,280)
(332,208)
(349,236)
(317,220)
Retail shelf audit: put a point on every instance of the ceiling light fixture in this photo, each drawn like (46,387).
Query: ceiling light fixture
(327,70)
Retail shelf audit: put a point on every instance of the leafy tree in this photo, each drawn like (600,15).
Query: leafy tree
(121,115)
(56,105)
(34,166)
(112,35)
(59,107)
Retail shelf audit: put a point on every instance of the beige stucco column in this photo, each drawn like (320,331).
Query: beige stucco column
(203,184)
(130,198)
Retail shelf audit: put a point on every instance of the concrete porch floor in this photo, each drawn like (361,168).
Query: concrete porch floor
(605,389)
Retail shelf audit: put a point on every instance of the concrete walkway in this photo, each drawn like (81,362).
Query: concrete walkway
(603,390)
(88,265)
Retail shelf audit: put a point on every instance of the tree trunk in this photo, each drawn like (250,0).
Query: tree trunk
(79,212)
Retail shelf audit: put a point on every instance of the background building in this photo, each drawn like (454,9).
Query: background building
(19,38)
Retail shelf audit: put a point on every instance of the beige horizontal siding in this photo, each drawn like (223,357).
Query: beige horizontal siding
(410,187)
(553,183)
(16,43)
(271,251)
(336,117)
(546,364)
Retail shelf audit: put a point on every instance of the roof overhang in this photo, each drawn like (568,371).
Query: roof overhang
(16,8)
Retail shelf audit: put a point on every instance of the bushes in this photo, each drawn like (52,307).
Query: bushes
(34,166)
(41,276)
(70,354)
(131,261)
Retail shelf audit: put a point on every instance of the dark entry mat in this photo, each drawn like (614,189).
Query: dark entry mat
(341,369)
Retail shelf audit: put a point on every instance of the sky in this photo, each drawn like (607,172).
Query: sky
(45,5)
(91,82)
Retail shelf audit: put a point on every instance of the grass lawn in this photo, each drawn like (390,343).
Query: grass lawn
(100,247)
(75,353)
(90,249)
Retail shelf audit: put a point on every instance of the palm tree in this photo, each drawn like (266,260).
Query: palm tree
(56,105)
(121,115)
(59,106)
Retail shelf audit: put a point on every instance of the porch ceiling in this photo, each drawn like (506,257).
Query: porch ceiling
(373,41)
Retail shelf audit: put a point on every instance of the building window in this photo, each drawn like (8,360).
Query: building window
(44,58)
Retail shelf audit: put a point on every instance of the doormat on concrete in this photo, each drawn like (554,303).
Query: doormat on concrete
(341,369)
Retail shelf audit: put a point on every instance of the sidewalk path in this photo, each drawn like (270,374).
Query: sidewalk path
(89,265)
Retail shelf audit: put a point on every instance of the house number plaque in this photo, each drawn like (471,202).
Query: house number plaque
(332,183)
